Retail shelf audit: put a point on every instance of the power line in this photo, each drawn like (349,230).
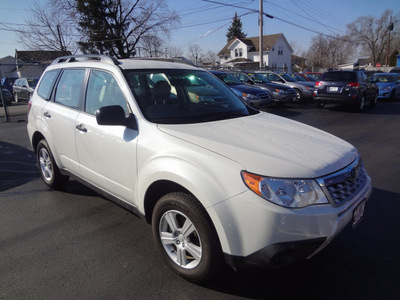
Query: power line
(280,19)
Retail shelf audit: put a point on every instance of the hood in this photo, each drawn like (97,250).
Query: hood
(248,89)
(280,86)
(382,85)
(270,145)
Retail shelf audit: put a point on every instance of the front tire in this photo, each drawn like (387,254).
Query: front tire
(298,96)
(48,168)
(184,235)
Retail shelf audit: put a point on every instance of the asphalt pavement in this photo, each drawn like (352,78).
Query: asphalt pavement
(75,244)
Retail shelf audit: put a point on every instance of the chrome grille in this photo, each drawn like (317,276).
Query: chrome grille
(345,184)
(264,96)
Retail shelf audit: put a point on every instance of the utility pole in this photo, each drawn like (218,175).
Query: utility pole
(261,24)
(390,28)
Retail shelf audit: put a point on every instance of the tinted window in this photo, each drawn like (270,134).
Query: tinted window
(338,76)
(69,88)
(228,79)
(103,90)
(183,96)
(32,82)
(46,85)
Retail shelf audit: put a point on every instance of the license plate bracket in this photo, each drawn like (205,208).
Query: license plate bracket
(333,89)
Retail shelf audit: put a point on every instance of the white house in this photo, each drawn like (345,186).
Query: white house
(244,53)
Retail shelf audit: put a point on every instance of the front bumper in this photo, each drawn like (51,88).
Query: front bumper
(256,233)
(284,98)
(385,94)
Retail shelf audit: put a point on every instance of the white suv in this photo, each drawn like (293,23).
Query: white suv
(218,180)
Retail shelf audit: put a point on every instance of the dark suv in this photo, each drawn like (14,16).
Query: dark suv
(345,87)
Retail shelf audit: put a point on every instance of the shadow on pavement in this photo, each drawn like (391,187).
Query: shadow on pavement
(17,166)
(360,264)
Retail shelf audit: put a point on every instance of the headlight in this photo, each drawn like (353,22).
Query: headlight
(293,193)
(250,96)
(386,88)
(280,91)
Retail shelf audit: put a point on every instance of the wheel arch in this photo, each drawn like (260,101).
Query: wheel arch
(157,190)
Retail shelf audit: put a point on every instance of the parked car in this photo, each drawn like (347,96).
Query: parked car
(303,89)
(5,97)
(306,77)
(23,88)
(216,179)
(253,96)
(388,84)
(345,87)
(281,94)
(314,74)
(8,83)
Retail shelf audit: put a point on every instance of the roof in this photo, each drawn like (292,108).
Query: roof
(39,56)
(254,42)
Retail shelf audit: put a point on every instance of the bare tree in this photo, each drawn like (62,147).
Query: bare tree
(195,53)
(150,45)
(326,52)
(172,51)
(210,57)
(372,34)
(50,28)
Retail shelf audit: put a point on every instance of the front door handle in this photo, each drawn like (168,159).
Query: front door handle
(47,114)
(81,127)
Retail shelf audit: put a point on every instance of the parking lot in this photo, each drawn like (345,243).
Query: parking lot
(76,244)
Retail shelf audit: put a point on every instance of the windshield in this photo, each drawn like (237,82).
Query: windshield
(228,79)
(287,77)
(33,82)
(384,78)
(299,78)
(184,96)
(259,78)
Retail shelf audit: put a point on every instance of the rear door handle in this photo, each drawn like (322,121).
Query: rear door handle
(81,127)
(47,114)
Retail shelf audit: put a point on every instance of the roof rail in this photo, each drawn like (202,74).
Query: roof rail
(181,60)
(86,57)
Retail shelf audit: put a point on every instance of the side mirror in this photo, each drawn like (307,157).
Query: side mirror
(114,115)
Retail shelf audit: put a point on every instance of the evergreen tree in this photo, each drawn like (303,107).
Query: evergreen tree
(235,30)
(118,27)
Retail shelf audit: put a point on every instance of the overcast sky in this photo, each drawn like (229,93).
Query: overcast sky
(206,23)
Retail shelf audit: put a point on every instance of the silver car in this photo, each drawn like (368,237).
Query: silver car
(304,90)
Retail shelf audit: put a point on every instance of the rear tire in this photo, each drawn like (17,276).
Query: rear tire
(185,237)
(298,96)
(48,168)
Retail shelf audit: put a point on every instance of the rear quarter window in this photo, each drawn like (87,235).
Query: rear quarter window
(47,83)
